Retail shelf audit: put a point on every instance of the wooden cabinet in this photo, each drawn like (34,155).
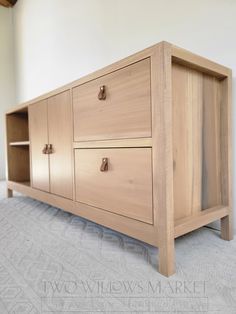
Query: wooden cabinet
(142,146)
(50,124)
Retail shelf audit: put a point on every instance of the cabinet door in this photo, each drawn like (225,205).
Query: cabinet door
(60,136)
(38,139)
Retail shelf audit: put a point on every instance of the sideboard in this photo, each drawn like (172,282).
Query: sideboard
(142,146)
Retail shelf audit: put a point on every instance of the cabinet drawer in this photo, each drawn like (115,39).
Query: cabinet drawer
(124,188)
(124,113)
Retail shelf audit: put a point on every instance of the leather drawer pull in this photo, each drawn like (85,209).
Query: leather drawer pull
(50,149)
(45,149)
(104,165)
(102,93)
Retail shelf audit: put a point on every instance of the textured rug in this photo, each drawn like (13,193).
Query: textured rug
(55,262)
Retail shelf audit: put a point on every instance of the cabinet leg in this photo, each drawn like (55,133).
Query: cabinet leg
(227,227)
(167,259)
(9,193)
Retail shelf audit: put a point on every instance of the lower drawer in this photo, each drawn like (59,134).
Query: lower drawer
(118,180)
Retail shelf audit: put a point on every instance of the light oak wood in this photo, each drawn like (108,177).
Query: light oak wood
(227,232)
(121,189)
(17,127)
(72,149)
(18,165)
(126,111)
(163,157)
(187,91)
(202,218)
(132,227)
(169,168)
(22,143)
(191,60)
(134,142)
(9,193)
(60,135)
(38,119)
(211,143)
(226,156)
(200,110)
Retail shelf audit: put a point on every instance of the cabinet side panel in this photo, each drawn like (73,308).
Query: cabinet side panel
(187,91)
(199,131)
(211,182)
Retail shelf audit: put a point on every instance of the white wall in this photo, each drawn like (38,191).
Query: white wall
(58,41)
(7,83)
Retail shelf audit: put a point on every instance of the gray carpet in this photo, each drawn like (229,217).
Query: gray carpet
(54,262)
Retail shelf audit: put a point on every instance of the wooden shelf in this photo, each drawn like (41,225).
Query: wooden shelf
(20,183)
(22,143)
(26,183)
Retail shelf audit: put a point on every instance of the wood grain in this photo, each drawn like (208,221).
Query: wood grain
(60,136)
(227,232)
(226,157)
(20,143)
(17,127)
(38,121)
(188,224)
(165,127)
(18,164)
(126,111)
(187,91)
(211,188)
(203,65)
(134,142)
(163,157)
(122,189)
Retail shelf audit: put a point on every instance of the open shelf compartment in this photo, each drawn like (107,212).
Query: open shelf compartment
(18,146)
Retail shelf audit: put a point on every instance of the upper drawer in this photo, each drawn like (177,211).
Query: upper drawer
(124,113)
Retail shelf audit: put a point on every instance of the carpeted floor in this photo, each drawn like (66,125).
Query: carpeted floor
(54,262)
